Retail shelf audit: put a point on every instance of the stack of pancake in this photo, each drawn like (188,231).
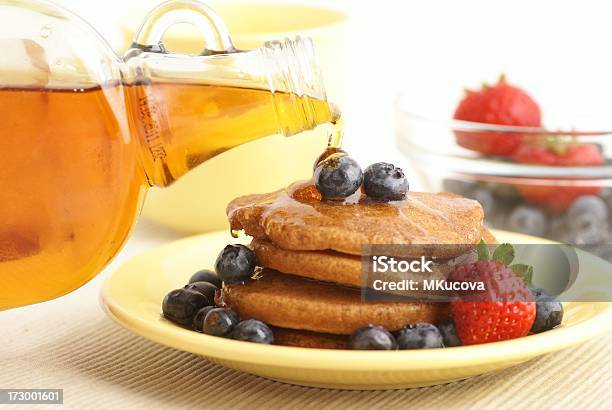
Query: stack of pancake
(309,249)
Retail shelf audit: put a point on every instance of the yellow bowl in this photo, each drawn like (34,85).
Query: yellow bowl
(132,296)
(196,203)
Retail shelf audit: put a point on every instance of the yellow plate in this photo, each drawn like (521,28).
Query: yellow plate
(132,296)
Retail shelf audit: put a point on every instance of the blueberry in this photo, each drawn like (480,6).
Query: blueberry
(255,331)
(486,200)
(606,195)
(588,204)
(502,190)
(220,322)
(537,292)
(457,186)
(198,319)
(588,220)
(549,312)
(588,229)
(330,151)
(497,220)
(419,336)
(372,337)
(528,219)
(558,229)
(205,288)
(206,275)
(338,177)
(385,181)
(449,334)
(181,305)
(235,264)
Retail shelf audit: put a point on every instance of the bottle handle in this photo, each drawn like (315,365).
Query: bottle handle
(149,36)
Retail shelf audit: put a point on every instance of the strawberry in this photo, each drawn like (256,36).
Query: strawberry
(501,104)
(557,151)
(535,154)
(554,198)
(505,310)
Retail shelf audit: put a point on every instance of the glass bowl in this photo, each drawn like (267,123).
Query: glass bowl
(567,203)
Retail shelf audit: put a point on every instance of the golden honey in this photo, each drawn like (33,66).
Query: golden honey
(74,163)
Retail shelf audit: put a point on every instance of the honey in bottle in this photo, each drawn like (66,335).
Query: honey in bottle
(84,132)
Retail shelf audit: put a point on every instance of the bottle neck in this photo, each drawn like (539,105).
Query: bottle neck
(293,72)
(188,109)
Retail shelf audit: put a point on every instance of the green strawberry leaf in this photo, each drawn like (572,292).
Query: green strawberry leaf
(483,251)
(504,254)
(525,272)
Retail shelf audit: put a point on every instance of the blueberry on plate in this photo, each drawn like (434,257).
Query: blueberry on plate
(220,322)
(253,330)
(372,337)
(198,319)
(235,264)
(419,336)
(549,312)
(181,305)
(338,177)
(385,182)
(206,275)
(449,334)
(205,288)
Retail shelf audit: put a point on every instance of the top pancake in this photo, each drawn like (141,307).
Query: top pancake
(297,219)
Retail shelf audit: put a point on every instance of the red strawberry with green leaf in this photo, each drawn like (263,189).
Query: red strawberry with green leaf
(505,310)
(554,195)
(501,104)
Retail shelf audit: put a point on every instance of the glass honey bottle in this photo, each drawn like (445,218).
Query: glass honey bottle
(86,132)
